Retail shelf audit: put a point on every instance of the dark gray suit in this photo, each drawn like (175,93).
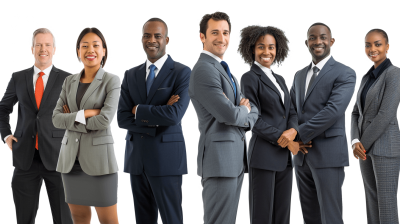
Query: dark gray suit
(377,129)
(321,116)
(222,146)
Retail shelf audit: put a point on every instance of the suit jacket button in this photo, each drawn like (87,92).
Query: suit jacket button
(33,136)
(243,139)
(141,136)
(284,117)
(76,140)
(37,117)
(302,111)
(246,124)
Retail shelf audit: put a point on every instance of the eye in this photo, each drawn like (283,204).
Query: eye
(214,33)
(367,45)
(271,48)
(96,45)
(378,45)
(84,46)
(261,47)
(158,36)
(226,33)
(323,38)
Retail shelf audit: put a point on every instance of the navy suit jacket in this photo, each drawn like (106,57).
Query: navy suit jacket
(154,141)
(274,117)
(321,113)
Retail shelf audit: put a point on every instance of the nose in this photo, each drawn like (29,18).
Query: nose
(152,39)
(90,48)
(220,37)
(319,41)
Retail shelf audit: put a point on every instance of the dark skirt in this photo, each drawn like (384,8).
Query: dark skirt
(83,189)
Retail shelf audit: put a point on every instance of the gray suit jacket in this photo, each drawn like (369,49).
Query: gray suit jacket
(377,127)
(222,122)
(93,140)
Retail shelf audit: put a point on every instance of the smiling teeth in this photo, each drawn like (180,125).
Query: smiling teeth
(89,57)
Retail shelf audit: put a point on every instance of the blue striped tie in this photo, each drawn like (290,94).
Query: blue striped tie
(150,78)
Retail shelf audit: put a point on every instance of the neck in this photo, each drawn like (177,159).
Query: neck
(153,60)
(318,60)
(220,56)
(41,66)
(90,72)
(376,64)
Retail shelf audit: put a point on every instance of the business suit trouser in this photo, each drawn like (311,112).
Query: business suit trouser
(221,198)
(320,191)
(381,178)
(157,193)
(26,186)
(270,195)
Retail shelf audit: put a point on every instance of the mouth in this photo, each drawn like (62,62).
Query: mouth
(220,45)
(152,48)
(266,59)
(90,57)
(318,48)
(374,55)
(43,55)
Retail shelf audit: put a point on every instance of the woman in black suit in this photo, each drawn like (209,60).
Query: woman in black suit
(270,162)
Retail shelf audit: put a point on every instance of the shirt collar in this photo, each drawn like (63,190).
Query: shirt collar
(321,64)
(47,71)
(376,72)
(263,68)
(212,55)
(159,63)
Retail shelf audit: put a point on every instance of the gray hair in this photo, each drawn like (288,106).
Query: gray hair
(42,30)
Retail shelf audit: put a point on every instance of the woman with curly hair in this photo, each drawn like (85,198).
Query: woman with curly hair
(270,162)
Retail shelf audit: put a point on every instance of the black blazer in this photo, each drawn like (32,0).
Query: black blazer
(273,119)
(31,120)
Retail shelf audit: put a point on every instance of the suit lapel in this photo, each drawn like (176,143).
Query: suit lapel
(373,91)
(282,85)
(237,91)
(266,80)
(29,85)
(327,67)
(162,74)
(302,80)
(50,83)
(92,87)
(362,85)
(141,82)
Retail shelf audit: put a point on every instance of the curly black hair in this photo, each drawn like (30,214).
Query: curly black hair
(382,32)
(250,36)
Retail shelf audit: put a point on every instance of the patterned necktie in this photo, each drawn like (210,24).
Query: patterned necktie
(39,89)
(150,78)
(226,67)
(314,75)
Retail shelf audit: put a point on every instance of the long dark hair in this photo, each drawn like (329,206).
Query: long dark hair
(98,33)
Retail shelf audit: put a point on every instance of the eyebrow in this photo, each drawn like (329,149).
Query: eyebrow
(264,44)
(88,42)
(154,34)
(374,42)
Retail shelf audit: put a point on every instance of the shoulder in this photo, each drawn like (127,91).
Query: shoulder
(133,70)
(249,76)
(203,68)
(111,78)
(393,72)
(19,74)
(342,67)
(62,72)
(301,71)
(181,68)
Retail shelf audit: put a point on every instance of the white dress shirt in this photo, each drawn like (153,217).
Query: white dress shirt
(271,77)
(320,65)
(45,77)
(159,64)
(219,61)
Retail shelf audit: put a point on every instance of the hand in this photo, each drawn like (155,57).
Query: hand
(173,99)
(293,147)
(66,109)
(359,151)
(303,147)
(9,141)
(286,137)
(245,102)
(92,113)
(134,110)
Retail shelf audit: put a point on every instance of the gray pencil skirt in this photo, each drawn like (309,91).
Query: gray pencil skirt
(83,189)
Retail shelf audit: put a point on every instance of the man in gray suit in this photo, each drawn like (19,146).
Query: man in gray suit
(321,93)
(224,117)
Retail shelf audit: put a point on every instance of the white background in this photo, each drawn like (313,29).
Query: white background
(121,23)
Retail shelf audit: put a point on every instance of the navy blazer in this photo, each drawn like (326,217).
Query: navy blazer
(321,113)
(274,118)
(154,141)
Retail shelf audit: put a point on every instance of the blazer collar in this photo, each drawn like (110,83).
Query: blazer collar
(50,84)
(327,67)
(29,85)
(162,74)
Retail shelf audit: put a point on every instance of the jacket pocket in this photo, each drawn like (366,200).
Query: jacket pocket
(222,137)
(173,138)
(58,134)
(18,134)
(103,140)
(64,140)
(334,132)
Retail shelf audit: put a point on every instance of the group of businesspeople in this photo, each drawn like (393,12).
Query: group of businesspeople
(63,134)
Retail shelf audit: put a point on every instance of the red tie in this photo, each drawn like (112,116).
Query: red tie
(39,89)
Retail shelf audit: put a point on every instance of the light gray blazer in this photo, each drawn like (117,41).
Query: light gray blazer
(93,140)
(377,127)
(222,122)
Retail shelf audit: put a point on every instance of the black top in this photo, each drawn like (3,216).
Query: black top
(373,75)
(82,87)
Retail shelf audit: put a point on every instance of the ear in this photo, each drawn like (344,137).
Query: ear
(387,47)
(32,50)
(332,41)
(104,51)
(79,53)
(54,51)
(202,38)
(167,40)
(306,42)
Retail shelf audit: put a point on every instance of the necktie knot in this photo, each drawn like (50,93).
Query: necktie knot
(152,67)
(315,69)
(224,64)
(41,74)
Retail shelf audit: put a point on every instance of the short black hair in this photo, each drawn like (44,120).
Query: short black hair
(322,24)
(157,20)
(382,32)
(250,36)
(99,34)
(217,16)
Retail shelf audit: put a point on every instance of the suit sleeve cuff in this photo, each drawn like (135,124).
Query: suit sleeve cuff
(136,110)
(354,141)
(5,139)
(80,117)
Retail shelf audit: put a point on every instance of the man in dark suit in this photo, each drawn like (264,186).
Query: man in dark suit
(321,93)
(36,142)
(154,98)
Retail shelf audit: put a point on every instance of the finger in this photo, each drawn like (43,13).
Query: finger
(305,150)
(68,110)
(362,147)
(280,140)
(14,139)
(302,151)
(355,155)
(360,154)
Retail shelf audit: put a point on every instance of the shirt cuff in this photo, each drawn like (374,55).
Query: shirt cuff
(248,110)
(136,110)
(80,117)
(5,138)
(354,141)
